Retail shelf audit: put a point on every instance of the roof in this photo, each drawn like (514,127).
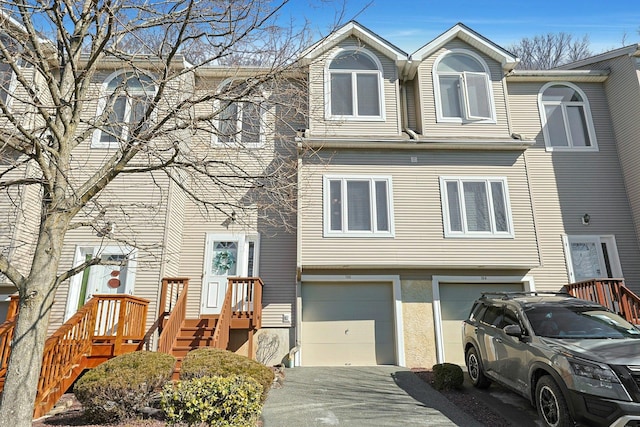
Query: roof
(466,34)
(586,76)
(630,50)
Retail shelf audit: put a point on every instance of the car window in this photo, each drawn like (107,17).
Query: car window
(510,318)
(493,316)
(579,322)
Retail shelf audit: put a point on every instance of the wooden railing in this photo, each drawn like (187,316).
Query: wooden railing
(106,326)
(612,293)
(6,334)
(246,299)
(223,325)
(172,311)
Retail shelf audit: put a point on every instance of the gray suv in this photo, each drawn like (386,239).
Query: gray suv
(575,360)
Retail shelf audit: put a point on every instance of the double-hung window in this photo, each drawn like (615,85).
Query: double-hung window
(566,118)
(241,116)
(124,103)
(358,206)
(355,86)
(463,89)
(475,207)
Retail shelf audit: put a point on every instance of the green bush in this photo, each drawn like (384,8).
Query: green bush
(208,362)
(117,389)
(232,401)
(447,376)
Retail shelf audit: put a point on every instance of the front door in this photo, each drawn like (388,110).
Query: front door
(226,255)
(592,257)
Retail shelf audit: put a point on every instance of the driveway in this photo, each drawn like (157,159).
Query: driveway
(358,397)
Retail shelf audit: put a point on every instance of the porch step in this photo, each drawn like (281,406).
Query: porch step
(204,323)
(193,341)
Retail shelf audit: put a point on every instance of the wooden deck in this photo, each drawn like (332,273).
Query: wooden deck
(612,293)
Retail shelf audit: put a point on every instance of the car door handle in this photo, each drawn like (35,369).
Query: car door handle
(498,340)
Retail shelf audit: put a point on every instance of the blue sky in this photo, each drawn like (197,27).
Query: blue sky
(411,24)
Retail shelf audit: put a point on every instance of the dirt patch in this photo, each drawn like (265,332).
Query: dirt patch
(467,402)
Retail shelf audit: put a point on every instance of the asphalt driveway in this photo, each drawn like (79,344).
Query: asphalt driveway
(358,397)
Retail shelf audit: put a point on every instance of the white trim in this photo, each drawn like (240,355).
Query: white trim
(612,249)
(394,280)
(464,101)
(326,206)
(493,234)
(103,98)
(262,113)
(587,112)
(327,87)
(527,281)
(75,282)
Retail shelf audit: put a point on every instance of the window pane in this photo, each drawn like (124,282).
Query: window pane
(585,260)
(5,81)
(478,95)
(476,205)
(578,126)
(459,62)
(250,122)
(341,95)
(450,96)
(112,132)
(499,206)
(368,99)
(382,209)
(352,61)
(335,193)
(358,206)
(560,93)
(228,123)
(555,126)
(453,200)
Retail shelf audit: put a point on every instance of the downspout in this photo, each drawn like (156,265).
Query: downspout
(404,105)
(294,353)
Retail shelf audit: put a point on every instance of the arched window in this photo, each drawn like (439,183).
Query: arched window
(463,90)
(355,86)
(241,115)
(566,118)
(126,97)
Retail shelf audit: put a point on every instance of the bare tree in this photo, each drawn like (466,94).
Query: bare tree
(155,118)
(546,51)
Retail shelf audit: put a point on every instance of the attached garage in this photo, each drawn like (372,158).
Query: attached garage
(455,301)
(348,324)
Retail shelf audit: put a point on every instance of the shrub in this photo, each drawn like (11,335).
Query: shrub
(232,401)
(208,362)
(447,376)
(117,389)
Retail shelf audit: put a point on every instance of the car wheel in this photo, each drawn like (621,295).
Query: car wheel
(475,370)
(552,408)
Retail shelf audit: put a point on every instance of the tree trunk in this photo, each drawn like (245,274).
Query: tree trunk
(36,299)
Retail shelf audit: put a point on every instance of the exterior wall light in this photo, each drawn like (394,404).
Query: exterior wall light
(586,219)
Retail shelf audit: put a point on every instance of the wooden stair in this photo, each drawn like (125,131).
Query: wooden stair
(611,293)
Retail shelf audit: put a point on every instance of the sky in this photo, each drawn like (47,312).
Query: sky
(410,24)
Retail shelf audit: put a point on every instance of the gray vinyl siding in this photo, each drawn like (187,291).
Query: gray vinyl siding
(174,229)
(419,234)
(566,185)
(319,126)
(623,94)
(427,106)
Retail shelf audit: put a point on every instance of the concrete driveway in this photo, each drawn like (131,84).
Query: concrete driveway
(358,397)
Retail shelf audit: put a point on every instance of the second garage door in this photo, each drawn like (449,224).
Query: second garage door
(346,324)
(456,300)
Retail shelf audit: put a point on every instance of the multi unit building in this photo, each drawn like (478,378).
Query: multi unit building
(423,180)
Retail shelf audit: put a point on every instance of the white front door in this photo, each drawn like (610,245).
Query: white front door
(592,257)
(226,255)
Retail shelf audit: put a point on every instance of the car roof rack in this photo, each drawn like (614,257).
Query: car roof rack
(516,294)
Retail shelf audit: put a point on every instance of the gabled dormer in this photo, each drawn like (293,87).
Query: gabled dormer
(456,83)
(354,85)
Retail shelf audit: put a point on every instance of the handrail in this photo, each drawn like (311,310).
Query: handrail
(177,311)
(612,293)
(223,325)
(247,299)
(6,333)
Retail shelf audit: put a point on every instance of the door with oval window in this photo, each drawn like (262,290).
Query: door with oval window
(226,255)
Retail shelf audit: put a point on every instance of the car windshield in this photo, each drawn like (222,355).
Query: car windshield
(579,322)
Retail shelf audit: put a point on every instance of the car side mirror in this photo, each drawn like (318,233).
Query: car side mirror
(513,330)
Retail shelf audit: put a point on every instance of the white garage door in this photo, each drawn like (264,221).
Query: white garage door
(456,300)
(347,324)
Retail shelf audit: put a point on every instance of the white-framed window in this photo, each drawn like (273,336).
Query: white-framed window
(462,85)
(241,116)
(117,277)
(591,257)
(124,99)
(7,83)
(354,86)
(358,206)
(476,207)
(566,118)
